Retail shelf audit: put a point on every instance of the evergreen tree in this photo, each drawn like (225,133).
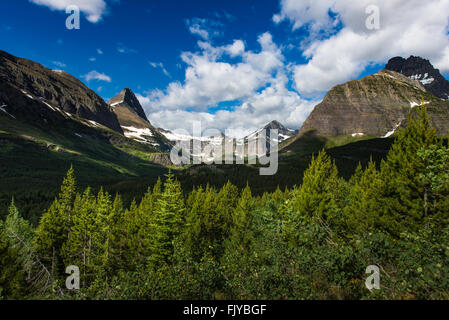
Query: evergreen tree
(20,235)
(169,217)
(55,226)
(12,276)
(403,192)
(320,195)
(242,219)
(79,249)
(361,212)
(115,245)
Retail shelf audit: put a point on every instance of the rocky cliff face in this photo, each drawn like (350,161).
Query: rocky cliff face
(134,122)
(26,82)
(126,106)
(374,106)
(422,70)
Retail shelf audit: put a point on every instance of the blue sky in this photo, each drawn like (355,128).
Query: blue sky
(150,31)
(231,64)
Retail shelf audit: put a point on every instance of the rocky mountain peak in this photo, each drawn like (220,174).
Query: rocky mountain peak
(283,131)
(127,98)
(423,71)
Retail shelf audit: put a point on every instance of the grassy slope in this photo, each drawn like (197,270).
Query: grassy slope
(34,159)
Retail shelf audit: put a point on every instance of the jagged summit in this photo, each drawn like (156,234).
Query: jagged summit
(422,70)
(134,122)
(128,99)
(283,131)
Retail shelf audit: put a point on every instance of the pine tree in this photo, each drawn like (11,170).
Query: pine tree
(79,249)
(321,192)
(403,193)
(168,221)
(242,219)
(116,244)
(55,226)
(361,212)
(20,237)
(12,276)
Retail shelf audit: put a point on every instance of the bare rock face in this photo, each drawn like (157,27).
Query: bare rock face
(374,106)
(128,109)
(422,70)
(21,77)
(134,122)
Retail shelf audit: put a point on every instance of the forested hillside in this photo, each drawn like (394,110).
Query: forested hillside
(311,242)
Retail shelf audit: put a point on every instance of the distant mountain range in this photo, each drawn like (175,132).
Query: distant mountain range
(374,106)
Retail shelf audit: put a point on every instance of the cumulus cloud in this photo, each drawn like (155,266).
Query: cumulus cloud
(93,9)
(255,88)
(94,75)
(408,27)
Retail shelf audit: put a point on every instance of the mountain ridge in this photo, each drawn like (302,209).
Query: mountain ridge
(375,105)
(53,89)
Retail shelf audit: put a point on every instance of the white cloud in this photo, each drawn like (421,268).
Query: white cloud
(59,64)
(204,28)
(121,48)
(196,29)
(94,75)
(99,51)
(93,9)
(408,27)
(255,86)
(160,65)
(209,80)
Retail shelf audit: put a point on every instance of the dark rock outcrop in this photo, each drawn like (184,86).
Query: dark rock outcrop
(422,70)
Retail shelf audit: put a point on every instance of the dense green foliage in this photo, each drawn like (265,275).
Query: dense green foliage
(311,242)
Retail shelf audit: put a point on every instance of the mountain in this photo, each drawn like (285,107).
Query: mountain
(24,82)
(49,121)
(134,122)
(374,106)
(422,70)
(284,132)
(128,109)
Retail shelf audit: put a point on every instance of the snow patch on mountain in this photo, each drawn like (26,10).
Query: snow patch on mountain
(416,104)
(27,94)
(117,103)
(424,79)
(2,108)
(390,133)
